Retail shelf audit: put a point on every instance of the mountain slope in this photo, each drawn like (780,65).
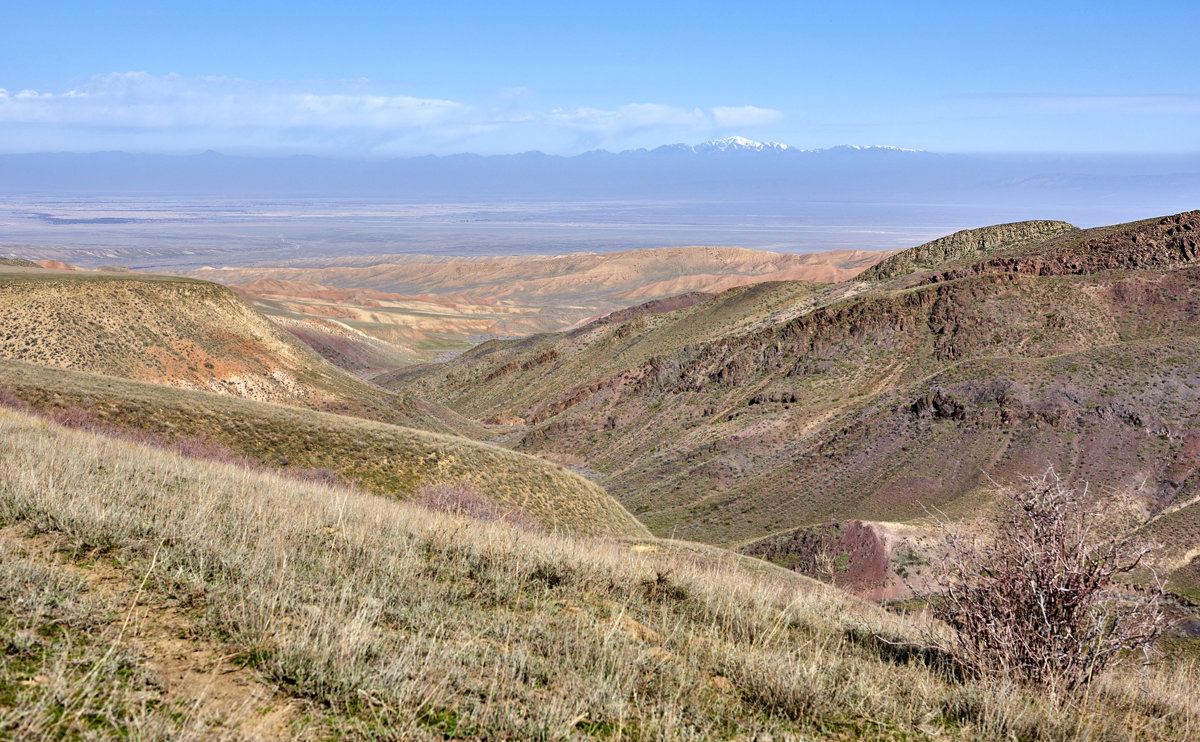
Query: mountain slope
(181,332)
(506,377)
(969,243)
(873,399)
(426,305)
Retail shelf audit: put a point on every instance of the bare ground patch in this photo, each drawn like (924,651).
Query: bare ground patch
(200,687)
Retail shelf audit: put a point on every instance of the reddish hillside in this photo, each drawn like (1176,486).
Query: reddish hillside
(785,405)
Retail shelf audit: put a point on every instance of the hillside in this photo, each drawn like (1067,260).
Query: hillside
(181,332)
(873,399)
(423,306)
(381,458)
(144,595)
(515,377)
(966,244)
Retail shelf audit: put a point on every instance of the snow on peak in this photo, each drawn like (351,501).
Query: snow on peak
(865,147)
(736,144)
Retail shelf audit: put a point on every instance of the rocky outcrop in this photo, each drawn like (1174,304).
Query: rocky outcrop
(656,306)
(806,344)
(966,244)
(1170,242)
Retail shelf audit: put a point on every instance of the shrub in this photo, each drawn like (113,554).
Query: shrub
(464,499)
(76,418)
(12,401)
(1039,598)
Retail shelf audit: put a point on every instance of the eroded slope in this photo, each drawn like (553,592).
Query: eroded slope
(426,305)
(872,400)
(180,332)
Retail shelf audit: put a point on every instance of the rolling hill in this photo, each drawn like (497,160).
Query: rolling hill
(181,332)
(187,363)
(993,353)
(381,458)
(422,306)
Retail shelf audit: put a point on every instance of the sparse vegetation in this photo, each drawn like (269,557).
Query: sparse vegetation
(1038,596)
(871,398)
(384,459)
(371,618)
(509,598)
(179,332)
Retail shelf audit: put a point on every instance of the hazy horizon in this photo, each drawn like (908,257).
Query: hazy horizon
(1019,111)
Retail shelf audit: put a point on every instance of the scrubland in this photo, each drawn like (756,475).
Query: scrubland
(147,595)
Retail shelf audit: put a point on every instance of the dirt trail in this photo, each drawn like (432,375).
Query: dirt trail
(199,677)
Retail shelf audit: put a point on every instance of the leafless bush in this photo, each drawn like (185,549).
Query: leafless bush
(327,477)
(1039,598)
(76,418)
(12,401)
(463,499)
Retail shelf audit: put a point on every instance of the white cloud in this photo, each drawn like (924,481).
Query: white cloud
(130,109)
(138,100)
(735,117)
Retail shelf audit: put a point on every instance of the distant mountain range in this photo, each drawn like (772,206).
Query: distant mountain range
(729,191)
(742,144)
(731,168)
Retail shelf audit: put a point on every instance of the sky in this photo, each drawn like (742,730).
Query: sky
(386,79)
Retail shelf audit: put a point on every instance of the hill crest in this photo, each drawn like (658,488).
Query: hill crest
(180,332)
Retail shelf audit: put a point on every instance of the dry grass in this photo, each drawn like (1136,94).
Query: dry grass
(385,459)
(183,333)
(390,621)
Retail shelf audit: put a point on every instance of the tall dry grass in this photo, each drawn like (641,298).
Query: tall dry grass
(384,459)
(391,621)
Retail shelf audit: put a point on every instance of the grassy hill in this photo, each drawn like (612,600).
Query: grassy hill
(151,596)
(181,332)
(378,457)
(783,405)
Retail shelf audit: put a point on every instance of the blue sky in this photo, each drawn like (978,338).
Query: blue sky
(361,79)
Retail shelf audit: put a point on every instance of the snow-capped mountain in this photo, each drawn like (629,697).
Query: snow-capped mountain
(731,170)
(870,147)
(742,144)
(739,144)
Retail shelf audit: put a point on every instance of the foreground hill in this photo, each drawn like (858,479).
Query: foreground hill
(784,405)
(149,596)
(425,305)
(386,459)
(180,332)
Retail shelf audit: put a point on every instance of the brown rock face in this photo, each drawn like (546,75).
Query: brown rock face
(1170,242)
